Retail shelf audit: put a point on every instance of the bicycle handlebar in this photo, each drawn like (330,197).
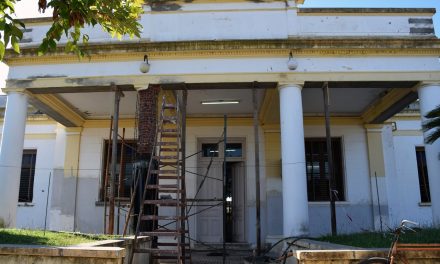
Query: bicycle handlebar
(408,222)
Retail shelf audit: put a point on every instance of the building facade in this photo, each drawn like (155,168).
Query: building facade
(375,62)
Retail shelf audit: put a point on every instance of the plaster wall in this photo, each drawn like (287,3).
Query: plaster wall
(355,213)
(248,20)
(407,182)
(90,214)
(40,138)
(358,25)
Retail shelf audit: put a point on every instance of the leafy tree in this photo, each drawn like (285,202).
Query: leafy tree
(117,17)
(432,123)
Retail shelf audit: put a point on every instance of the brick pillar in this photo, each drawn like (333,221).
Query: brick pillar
(147,118)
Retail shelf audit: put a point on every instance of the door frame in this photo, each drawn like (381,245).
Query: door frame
(242,160)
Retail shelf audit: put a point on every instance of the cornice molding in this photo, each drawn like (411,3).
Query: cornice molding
(385,102)
(60,110)
(129,51)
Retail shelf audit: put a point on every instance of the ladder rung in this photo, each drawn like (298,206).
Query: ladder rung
(169,163)
(169,257)
(157,251)
(170,119)
(165,202)
(168,135)
(169,150)
(169,106)
(164,172)
(165,157)
(165,144)
(171,244)
(159,217)
(162,233)
(170,191)
(162,186)
(168,130)
(170,177)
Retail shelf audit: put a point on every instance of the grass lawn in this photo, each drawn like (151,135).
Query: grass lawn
(37,237)
(379,240)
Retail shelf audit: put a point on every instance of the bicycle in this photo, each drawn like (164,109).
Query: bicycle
(392,253)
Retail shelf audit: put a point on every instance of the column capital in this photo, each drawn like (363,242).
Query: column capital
(374,128)
(8,91)
(73,130)
(429,83)
(286,85)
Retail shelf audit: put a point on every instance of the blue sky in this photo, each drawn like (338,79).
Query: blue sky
(28,8)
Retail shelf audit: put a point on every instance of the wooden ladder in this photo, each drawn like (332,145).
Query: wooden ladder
(170,235)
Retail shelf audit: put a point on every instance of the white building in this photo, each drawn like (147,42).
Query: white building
(376,61)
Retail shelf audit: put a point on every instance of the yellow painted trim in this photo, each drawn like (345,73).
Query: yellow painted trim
(73,143)
(36,121)
(269,96)
(25,60)
(273,128)
(375,153)
(272,154)
(61,108)
(381,105)
(37,136)
(218,121)
(335,121)
(372,127)
(105,123)
(407,133)
(73,129)
(406,117)
(320,121)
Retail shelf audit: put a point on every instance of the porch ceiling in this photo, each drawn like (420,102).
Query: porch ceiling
(98,105)
(373,101)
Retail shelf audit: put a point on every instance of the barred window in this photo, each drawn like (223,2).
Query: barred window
(26,191)
(317,169)
(126,179)
(425,196)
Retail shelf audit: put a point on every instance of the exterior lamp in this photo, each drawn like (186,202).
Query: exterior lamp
(292,64)
(145,66)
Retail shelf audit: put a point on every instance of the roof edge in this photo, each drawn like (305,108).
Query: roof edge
(368,10)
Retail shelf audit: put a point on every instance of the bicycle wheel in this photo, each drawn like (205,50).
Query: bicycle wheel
(375,261)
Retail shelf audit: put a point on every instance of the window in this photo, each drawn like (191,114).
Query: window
(425,195)
(26,191)
(126,179)
(210,150)
(317,169)
(233,150)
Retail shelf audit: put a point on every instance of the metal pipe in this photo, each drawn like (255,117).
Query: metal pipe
(47,203)
(107,162)
(183,169)
(121,176)
(257,171)
(331,182)
(111,217)
(224,187)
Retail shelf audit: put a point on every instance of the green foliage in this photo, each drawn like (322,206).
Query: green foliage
(37,237)
(380,240)
(10,28)
(117,17)
(432,124)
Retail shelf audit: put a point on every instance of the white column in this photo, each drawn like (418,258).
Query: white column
(295,203)
(11,152)
(429,95)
